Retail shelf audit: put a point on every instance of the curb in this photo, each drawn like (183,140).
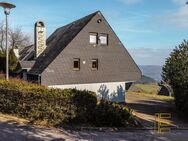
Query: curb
(114,129)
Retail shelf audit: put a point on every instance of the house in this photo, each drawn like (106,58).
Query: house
(85,54)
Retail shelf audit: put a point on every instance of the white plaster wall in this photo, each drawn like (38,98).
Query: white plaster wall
(114,91)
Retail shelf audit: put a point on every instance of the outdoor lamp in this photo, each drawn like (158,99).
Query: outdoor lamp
(7,7)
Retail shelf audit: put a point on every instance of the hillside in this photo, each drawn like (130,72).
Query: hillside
(146,80)
(152,71)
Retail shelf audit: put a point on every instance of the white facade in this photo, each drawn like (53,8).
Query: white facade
(114,91)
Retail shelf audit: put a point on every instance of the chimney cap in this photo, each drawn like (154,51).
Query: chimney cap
(39,23)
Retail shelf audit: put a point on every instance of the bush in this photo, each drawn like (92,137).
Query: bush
(85,104)
(111,114)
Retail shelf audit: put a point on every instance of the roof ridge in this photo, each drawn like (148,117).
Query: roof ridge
(94,13)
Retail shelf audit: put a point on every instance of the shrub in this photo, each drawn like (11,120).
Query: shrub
(85,104)
(111,114)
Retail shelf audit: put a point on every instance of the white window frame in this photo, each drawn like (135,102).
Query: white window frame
(93,35)
(103,36)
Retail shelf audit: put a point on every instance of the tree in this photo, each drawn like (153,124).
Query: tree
(175,73)
(2,62)
(2,37)
(16,38)
(13,62)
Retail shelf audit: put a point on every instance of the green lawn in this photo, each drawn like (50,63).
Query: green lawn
(149,91)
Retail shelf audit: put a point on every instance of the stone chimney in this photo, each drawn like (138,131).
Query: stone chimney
(40,38)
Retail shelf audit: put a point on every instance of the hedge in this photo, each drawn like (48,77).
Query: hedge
(59,107)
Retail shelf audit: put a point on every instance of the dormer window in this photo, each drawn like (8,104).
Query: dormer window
(93,38)
(103,39)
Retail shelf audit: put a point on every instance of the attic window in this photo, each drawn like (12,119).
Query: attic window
(103,39)
(93,38)
(99,20)
(94,64)
(76,64)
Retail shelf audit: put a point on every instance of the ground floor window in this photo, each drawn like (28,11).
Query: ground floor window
(94,64)
(76,64)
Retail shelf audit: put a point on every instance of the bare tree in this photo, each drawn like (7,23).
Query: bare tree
(17,38)
(2,37)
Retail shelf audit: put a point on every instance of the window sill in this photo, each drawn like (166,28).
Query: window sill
(76,69)
(94,69)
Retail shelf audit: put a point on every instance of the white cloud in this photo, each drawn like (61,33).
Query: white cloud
(149,56)
(180,2)
(178,18)
(130,1)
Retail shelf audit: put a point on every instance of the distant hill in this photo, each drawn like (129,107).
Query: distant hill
(146,80)
(152,71)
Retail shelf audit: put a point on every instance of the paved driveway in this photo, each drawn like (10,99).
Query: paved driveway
(146,107)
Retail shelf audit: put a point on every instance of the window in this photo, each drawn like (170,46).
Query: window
(93,38)
(94,64)
(103,39)
(76,64)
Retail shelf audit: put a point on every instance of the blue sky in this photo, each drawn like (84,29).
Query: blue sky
(149,29)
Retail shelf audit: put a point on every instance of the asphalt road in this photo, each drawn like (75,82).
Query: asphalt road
(10,131)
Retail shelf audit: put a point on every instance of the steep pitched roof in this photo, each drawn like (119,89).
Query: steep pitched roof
(58,41)
(27,53)
(27,64)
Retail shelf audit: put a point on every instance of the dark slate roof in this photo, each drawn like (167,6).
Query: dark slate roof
(27,53)
(58,41)
(27,64)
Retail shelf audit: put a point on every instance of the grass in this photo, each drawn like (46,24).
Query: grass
(149,91)
(158,97)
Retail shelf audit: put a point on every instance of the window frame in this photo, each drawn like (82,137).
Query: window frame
(103,35)
(97,64)
(93,34)
(76,68)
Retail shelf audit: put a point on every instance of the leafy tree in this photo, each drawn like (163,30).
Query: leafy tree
(13,61)
(2,61)
(175,73)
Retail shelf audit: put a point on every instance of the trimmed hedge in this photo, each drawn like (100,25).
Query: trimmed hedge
(37,103)
(59,107)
